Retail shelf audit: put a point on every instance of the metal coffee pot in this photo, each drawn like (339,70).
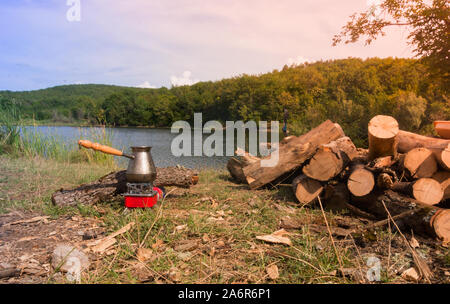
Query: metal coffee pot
(141,168)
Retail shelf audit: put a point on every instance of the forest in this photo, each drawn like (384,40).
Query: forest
(348,91)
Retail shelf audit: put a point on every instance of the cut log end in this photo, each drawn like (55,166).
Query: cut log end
(382,131)
(428,191)
(323,166)
(443,177)
(443,158)
(420,162)
(330,159)
(306,189)
(441,224)
(383,127)
(361,182)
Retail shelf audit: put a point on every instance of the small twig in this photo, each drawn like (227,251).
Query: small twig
(155,272)
(359,255)
(158,215)
(386,221)
(390,243)
(297,259)
(421,265)
(331,236)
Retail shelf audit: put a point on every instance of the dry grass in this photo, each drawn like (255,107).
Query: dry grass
(207,234)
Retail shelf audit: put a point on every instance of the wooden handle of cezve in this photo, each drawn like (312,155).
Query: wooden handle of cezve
(101,148)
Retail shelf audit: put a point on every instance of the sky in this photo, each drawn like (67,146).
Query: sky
(154,43)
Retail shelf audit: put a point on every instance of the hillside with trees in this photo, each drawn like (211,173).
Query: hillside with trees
(348,91)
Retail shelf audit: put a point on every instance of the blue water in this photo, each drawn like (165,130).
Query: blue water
(123,138)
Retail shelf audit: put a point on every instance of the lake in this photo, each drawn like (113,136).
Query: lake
(123,138)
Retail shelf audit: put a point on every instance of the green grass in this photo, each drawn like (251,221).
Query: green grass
(227,251)
(22,138)
(28,183)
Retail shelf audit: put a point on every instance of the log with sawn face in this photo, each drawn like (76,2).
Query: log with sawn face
(293,154)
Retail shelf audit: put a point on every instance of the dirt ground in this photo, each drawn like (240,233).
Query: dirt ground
(28,246)
(28,239)
(215,232)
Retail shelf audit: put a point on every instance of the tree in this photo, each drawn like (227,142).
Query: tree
(409,110)
(429,24)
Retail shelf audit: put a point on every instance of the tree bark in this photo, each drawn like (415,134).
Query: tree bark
(384,181)
(236,165)
(424,220)
(306,189)
(108,186)
(336,197)
(382,162)
(425,190)
(291,155)
(330,159)
(420,162)
(382,132)
(408,141)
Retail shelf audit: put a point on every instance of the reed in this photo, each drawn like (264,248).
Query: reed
(101,135)
(17,139)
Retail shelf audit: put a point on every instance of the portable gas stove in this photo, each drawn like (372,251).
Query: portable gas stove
(140,175)
(142,195)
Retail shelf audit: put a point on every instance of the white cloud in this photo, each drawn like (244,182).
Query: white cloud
(146,85)
(297,60)
(185,79)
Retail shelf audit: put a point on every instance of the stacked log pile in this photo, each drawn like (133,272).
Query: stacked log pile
(406,173)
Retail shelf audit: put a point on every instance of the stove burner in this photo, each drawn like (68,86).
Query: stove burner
(140,189)
(142,195)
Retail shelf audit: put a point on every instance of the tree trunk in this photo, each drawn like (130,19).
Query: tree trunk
(306,189)
(330,159)
(361,181)
(336,197)
(384,181)
(408,141)
(383,132)
(425,190)
(108,186)
(291,155)
(420,162)
(424,220)
(236,165)
(382,162)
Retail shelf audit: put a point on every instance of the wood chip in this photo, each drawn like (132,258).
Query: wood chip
(103,245)
(121,230)
(414,243)
(277,238)
(411,275)
(100,246)
(144,254)
(28,238)
(288,222)
(32,220)
(272,271)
